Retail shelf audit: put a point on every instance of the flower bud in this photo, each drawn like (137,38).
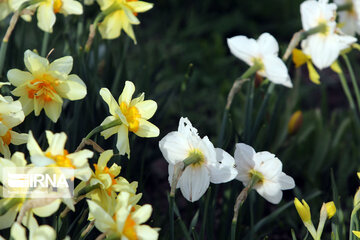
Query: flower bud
(330,209)
(303,210)
(295,122)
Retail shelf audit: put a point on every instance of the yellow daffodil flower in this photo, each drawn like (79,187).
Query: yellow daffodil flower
(124,221)
(133,114)
(122,17)
(11,115)
(57,156)
(330,209)
(46,84)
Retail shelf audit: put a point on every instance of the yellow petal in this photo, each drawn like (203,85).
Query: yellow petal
(356,233)
(140,6)
(111,26)
(313,75)
(146,108)
(127,93)
(46,17)
(335,67)
(147,129)
(298,57)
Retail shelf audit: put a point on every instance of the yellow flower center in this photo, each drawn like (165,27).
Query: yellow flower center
(61,160)
(259,175)
(7,137)
(129,229)
(106,170)
(57,6)
(132,116)
(196,153)
(42,88)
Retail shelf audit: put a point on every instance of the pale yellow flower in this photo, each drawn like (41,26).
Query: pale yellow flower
(133,114)
(57,156)
(46,84)
(6,220)
(11,115)
(124,221)
(43,232)
(123,17)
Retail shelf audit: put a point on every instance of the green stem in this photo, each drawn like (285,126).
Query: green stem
(87,189)
(353,215)
(346,90)
(248,111)
(318,29)
(45,44)
(261,112)
(353,79)
(101,128)
(3,49)
(203,227)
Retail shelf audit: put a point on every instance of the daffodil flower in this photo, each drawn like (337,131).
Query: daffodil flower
(57,156)
(46,84)
(267,168)
(214,165)
(109,181)
(133,114)
(18,160)
(264,53)
(18,232)
(325,46)
(124,221)
(123,16)
(349,18)
(11,115)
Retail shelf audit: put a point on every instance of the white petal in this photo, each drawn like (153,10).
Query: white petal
(194,182)
(47,210)
(33,146)
(270,191)
(224,170)
(18,232)
(144,232)
(174,147)
(276,70)
(109,99)
(72,7)
(286,182)
(142,214)
(244,156)
(57,144)
(243,48)
(268,44)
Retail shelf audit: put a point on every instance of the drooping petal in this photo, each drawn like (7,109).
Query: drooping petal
(111,26)
(71,7)
(53,110)
(122,143)
(109,99)
(46,17)
(194,182)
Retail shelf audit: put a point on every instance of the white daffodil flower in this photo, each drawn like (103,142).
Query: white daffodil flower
(349,19)
(265,166)
(264,52)
(325,46)
(42,232)
(215,165)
